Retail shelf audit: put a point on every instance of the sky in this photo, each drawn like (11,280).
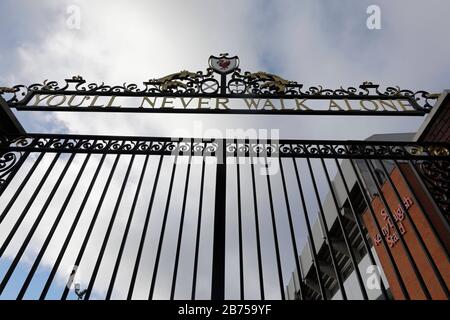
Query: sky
(315,42)
(312,42)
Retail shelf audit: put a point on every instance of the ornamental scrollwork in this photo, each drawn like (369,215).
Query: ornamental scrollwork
(8,161)
(180,82)
(436,175)
(100,144)
(235,83)
(282,148)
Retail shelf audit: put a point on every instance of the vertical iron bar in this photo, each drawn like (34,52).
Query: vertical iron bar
(71,231)
(291,229)
(127,229)
(108,231)
(258,236)
(241,253)
(144,230)
(358,224)
(180,230)
(315,263)
(393,263)
(52,230)
(28,206)
(218,264)
(274,229)
(24,182)
(33,228)
(416,231)
(315,260)
(163,229)
(16,168)
(20,188)
(402,241)
(94,219)
(327,238)
(344,233)
(223,83)
(199,221)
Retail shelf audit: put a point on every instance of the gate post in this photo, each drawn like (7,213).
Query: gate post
(10,162)
(9,124)
(218,266)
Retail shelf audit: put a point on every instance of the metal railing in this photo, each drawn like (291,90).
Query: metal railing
(161,218)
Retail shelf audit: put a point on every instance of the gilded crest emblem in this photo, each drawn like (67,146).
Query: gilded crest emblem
(223,64)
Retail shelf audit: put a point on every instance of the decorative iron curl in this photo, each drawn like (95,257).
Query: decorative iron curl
(231,148)
(8,161)
(180,82)
(239,83)
(284,148)
(156,146)
(436,175)
(211,148)
(198,147)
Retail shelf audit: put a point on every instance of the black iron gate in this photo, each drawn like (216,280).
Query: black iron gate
(108,217)
(263,198)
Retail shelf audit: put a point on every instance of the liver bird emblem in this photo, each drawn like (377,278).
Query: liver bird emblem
(224,63)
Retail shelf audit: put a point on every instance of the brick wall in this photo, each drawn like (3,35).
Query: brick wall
(438,128)
(418,255)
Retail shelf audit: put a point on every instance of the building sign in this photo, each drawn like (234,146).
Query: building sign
(223,88)
(388,229)
(406,252)
(218,103)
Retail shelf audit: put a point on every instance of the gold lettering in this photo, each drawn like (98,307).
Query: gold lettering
(387,103)
(57,104)
(167,101)
(404,106)
(92,105)
(283,107)
(334,104)
(202,101)
(223,102)
(368,108)
(184,103)
(301,104)
(69,103)
(269,103)
(252,103)
(347,104)
(39,100)
(111,101)
(150,102)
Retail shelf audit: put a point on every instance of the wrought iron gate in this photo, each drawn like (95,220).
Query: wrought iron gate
(36,184)
(108,217)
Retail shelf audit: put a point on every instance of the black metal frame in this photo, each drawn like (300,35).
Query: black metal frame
(429,161)
(15,149)
(232,84)
(229,147)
